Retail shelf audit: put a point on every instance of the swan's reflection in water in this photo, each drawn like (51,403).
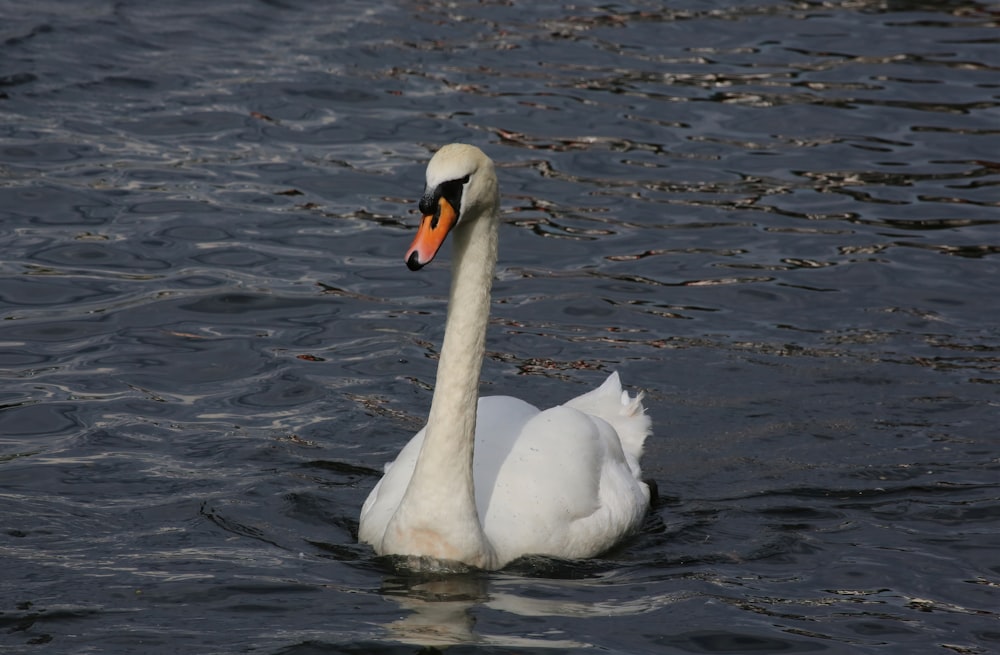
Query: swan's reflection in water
(441,609)
(438,610)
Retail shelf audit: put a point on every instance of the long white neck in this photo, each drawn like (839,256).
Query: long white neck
(438,515)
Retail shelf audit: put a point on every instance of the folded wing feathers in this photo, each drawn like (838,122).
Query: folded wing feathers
(633,404)
(623,411)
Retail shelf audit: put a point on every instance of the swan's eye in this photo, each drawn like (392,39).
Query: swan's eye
(453,186)
(452,192)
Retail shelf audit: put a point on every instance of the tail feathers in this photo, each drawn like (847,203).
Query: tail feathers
(624,412)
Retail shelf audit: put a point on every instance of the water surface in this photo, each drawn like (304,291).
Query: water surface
(779,219)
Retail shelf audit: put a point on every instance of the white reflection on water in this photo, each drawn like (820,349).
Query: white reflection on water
(441,611)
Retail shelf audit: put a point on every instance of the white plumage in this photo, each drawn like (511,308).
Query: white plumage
(563,482)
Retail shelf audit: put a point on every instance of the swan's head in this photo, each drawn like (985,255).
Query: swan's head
(461,186)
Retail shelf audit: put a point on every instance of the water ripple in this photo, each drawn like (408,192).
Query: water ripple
(775,218)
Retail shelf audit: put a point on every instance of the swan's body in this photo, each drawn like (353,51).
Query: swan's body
(563,482)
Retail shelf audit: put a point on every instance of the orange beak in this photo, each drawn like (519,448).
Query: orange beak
(431,234)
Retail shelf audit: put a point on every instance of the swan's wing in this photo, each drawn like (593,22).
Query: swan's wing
(625,413)
(499,423)
(566,488)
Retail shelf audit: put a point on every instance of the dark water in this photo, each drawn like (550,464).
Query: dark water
(781,220)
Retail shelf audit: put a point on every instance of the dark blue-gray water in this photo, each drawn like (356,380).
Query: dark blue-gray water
(780,219)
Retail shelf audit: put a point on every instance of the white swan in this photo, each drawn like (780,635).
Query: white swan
(563,482)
